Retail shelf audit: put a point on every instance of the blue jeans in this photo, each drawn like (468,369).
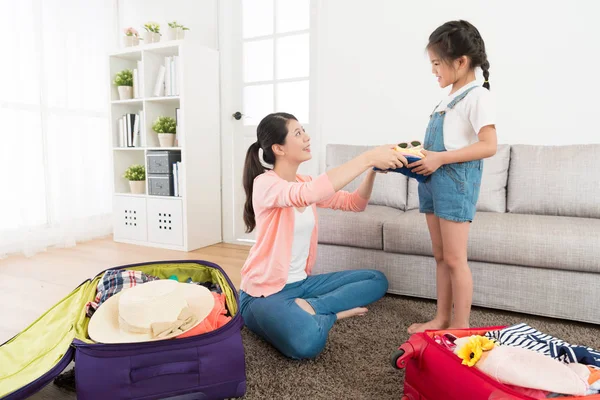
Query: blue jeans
(297,334)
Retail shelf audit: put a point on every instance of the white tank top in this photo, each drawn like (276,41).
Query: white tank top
(304,222)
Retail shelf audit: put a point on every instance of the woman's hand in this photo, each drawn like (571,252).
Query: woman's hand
(432,161)
(386,157)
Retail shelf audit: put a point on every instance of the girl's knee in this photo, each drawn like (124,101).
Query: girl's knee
(455,261)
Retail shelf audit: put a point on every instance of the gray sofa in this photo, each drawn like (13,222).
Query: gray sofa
(534,246)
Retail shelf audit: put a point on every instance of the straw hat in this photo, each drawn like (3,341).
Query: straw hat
(155,310)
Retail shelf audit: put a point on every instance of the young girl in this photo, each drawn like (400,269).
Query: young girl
(279,300)
(460,134)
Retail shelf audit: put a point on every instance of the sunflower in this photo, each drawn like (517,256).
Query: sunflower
(471,351)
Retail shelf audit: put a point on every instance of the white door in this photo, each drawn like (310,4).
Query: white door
(265,68)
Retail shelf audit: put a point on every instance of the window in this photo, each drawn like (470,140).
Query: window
(275,58)
(55,144)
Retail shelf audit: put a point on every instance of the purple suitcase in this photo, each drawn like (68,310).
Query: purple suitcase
(208,366)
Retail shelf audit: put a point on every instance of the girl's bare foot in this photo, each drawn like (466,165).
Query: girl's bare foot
(352,312)
(456,325)
(433,324)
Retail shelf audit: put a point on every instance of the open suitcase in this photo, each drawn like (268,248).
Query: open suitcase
(207,366)
(434,373)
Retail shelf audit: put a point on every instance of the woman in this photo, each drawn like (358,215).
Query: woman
(279,300)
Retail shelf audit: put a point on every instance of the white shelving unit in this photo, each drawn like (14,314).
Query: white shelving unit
(192,220)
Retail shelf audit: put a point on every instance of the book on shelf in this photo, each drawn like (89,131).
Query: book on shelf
(176,76)
(177,125)
(159,87)
(140,75)
(136,85)
(142,128)
(121,133)
(168,73)
(137,139)
(168,78)
(177,179)
(130,130)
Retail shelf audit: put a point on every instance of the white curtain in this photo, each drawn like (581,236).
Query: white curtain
(55,158)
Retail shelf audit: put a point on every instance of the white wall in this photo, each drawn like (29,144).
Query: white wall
(375,83)
(198,15)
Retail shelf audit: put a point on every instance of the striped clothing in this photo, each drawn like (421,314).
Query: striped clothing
(522,335)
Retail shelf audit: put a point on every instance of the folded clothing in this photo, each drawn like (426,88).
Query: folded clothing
(521,367)
(406,171)
(524,336)
(216,319)
(213,287)
(594,375)
(112,282)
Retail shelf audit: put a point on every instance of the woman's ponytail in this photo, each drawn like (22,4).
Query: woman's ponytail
(252,168)
(271,130)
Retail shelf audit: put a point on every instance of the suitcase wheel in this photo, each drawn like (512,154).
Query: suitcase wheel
(405,353)
(395,356)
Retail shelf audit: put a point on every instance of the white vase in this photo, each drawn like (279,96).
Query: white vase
(151,37)
(176,34)
(125,92)
(166,139)
(130,41)
(137,187)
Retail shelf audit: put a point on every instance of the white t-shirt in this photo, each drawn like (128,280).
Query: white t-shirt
(303,227)
(463,123)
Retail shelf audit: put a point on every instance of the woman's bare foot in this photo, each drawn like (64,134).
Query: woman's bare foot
(433,324)
(353,312)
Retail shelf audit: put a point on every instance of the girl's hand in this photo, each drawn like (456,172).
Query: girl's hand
(432,161)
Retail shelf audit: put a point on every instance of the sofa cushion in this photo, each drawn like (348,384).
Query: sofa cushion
(531,240)
(388,190)
(555,180)
(363,229)
(492,196)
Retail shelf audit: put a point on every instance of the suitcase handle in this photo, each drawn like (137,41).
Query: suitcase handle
(180,368)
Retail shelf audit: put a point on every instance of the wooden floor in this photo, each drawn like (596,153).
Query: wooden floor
(30,285)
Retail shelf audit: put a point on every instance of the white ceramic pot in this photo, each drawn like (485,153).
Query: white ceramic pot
(151,37)
(137,187)
(176,34)
(130,41)
(125,92)
(166,139)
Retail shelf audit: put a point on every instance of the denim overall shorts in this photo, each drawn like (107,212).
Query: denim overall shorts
(452,191)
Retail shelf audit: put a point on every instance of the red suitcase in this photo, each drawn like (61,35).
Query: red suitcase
(435,373)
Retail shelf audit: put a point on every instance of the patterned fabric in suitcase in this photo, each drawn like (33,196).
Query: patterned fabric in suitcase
(207,366)
(433,372)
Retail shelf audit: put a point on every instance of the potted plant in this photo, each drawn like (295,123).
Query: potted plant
(136,175)
(124,83)
(166,127)
(132,37)
(152,32)
(176,31)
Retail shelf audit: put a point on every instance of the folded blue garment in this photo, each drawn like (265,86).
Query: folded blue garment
(408,172)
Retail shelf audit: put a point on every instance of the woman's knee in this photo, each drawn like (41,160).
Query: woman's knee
(305,346)
(380,281)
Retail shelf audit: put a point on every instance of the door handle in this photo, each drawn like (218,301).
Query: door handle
(237,115)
